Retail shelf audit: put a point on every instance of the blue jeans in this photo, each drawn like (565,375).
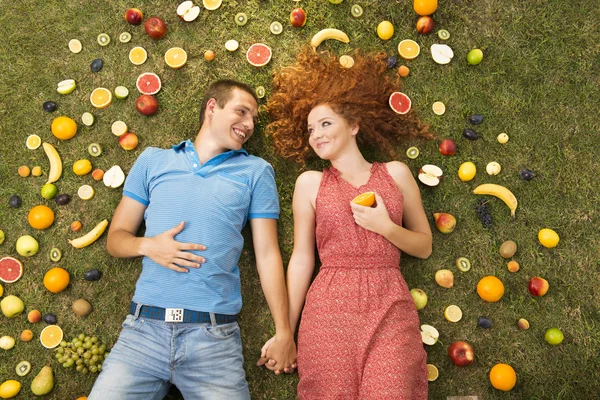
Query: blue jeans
(204,361)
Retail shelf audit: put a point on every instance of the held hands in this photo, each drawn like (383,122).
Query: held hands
(375,219)
(277,349)
(168,252)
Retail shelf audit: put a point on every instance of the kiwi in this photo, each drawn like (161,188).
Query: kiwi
(55,254)
(94,149)
(412,153)
(241,19)
(463,264)
(125,37)
(103,39)
(508,249)
(443,34)
(260,92)
(276,28)
(23,368)
(356,11)
(81,307)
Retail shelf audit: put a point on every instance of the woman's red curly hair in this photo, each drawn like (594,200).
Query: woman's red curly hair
(359,94)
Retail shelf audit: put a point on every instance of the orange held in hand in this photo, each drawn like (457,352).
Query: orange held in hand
(366,199)
(56,280)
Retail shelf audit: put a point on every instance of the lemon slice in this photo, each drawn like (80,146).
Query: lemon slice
(75,46)
(33,142)
(85,192)
(432,372)
(232,45)
(118,128)
(439,108)
(87,119)
(453,313)
(212,4)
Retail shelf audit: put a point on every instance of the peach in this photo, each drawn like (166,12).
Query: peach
(26,335)
(128,141)
(134,16)
(444,222)
(538,286)
(98,174)
(34,316)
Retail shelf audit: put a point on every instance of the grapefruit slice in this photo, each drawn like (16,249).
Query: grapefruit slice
(259,54)
(148,83)
(408,49)
(175,57)
(11,270)
(101,97)
(400,103)
(51,336)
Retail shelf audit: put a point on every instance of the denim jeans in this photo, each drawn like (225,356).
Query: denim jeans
(204,361)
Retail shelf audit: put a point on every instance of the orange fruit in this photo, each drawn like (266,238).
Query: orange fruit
(82,398)
(82,167)
(548,238)
(56,280)
(64,128)
(138,55)
(101,97)
(503,377)
(40,217)
(490,289)
(175,57)
(425,7)
(366,199)
(51,336)
(408,49)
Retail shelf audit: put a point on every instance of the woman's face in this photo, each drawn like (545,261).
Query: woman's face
(329,133)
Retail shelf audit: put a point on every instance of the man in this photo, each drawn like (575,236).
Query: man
(195,199)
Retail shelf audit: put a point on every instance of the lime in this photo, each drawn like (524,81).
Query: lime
(87,119)
(475,56)
(335,1)
(121,92)
(49,191)
(232,45)
(66,86)
(554,336)
(443,34)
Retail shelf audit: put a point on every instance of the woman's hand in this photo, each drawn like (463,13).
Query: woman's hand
(264,359)
(375,219)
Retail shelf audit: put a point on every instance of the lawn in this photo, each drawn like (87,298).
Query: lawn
(539,82)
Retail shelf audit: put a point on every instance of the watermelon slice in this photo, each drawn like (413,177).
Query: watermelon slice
(400,103)
(11,269)
(259,54)
(148,83)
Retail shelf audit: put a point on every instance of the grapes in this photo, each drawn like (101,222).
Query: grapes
(85,353)
(483,212)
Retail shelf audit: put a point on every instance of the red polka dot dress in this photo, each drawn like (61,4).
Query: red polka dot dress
(359,334)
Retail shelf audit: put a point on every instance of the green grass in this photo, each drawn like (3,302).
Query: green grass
(539,82)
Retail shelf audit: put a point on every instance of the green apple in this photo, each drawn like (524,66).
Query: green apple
(11,306)
(27,246)
(420,298)
(475,56)
(554,336)
(1,236)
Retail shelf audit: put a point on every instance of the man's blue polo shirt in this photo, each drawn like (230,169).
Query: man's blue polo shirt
(215,200)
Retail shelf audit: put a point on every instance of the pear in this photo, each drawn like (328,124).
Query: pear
(43,383)
(444,278)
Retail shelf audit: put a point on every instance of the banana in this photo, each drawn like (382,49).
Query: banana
(501,192)
(91,236)
(328,33)
(55,162)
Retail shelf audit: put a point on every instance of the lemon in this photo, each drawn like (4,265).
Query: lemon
(453,313)
(75,46)
(119,128)
(82,167)
(467,171)
(10,389)
(85,192)
(385,30)
(1,290)
(232,45)
(548,238)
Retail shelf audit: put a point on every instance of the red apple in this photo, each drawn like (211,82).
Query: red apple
(447,147)
(128,141)
(538,286)
(298,17)
(134,16)
(425,25)
(461,354)
(146,105)
(155,27)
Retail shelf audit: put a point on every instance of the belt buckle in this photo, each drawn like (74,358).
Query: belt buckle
(173,314)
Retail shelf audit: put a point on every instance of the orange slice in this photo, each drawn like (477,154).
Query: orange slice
(101,97)
(33,142)
(51,336)
(138,55)
(432,372)
(175,57)
(366,199)
(212,4)
(408,49)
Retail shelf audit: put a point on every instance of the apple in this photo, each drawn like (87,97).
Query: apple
(447,147)
(27,246)
(155,28)
(114,177)
(554,336)
(538,286)
(425,25)
(187,11)
(419,297)
(11,306)
(444,222)
(34,316)
(475,56)
(430,175)
(298,17)
(128,141)
(146,105)
(429,335)
(444,278)
(134,16)
(461,354)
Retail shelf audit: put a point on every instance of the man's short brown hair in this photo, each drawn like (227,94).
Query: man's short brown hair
(221,91)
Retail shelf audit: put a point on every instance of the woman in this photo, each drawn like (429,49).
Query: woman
(359,333)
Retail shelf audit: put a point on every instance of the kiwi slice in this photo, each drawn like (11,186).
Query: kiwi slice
(94,149)
(103,39)
(443,34)
(55,254)
(463,264)
(23,368)
(260,92)
(356,11)
(412,153)
(241,19)
(276,28)
(125,37)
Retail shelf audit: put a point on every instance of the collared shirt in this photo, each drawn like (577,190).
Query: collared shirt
(215,199)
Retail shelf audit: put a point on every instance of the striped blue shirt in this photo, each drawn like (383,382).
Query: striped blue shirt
(215,200)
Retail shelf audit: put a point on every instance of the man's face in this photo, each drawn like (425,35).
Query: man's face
(233,124)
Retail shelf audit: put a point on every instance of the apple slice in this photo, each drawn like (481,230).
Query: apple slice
(187,11)
(441,53)
(430,175)
(429,335)
(184,8)
(114,177)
